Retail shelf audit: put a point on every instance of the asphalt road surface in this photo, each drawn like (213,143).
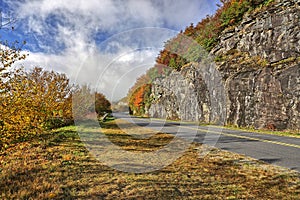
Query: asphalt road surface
(278,150)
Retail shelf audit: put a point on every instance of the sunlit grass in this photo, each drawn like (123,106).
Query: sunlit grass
(58,166)
(290,133)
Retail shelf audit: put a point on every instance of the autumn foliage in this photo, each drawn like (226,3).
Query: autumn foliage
(137,102)
(32,101)
(88,103)
(102,105)
(10,53)
(139,95)
(190,45)
(179,50)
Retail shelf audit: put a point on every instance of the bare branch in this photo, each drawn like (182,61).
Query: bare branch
(6,22)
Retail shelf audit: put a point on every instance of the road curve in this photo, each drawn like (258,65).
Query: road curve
(278,150)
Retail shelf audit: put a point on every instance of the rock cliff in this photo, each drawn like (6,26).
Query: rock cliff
(252,78)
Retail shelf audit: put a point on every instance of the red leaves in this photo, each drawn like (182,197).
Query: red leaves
(139,99)
(139,96)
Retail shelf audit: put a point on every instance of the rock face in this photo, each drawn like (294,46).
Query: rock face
(265,98)
(254,81)
(182,95)
(272,34)
(196,93)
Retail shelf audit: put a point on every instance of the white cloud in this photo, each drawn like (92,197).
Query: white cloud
(66,31)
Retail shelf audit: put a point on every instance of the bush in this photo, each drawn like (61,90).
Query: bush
(58,122)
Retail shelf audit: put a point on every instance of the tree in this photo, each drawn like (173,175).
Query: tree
(205,33)
(52,94)
(139,101)
(102,105)
(86,102)
(32,102)
(10,52)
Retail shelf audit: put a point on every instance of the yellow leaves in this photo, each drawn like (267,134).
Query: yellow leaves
(51,195)
(29,99)
(9,56)
(67,157)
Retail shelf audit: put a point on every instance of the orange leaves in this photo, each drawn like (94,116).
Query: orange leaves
(67,157)
(139,95)
(139,99)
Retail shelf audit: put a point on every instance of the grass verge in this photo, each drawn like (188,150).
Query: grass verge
(289,133)
(58,166)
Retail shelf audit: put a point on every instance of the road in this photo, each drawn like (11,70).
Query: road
(278,150)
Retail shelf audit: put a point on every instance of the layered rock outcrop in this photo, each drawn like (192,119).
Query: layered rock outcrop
(254,81)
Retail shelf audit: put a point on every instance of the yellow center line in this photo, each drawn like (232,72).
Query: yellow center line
(233,135)
(246,137)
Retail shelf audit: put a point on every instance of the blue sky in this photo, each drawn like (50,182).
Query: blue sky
(100,42)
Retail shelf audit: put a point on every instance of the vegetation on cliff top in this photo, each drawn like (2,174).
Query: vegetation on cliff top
(205,33)
(190,45)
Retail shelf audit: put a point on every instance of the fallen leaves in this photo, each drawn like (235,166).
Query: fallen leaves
(61,168)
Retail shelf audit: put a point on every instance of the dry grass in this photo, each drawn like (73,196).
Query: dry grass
(57,166)
(287,132)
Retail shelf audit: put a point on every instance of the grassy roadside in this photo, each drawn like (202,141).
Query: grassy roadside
(289,133)
(58,166)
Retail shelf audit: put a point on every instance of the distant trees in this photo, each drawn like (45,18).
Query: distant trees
(138,103)
(121,105)
(102,105)
(87,102)
(83,101)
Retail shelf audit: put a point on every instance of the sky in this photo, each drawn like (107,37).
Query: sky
(104,43)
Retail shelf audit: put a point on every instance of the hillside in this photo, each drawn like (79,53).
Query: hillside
(248,77)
